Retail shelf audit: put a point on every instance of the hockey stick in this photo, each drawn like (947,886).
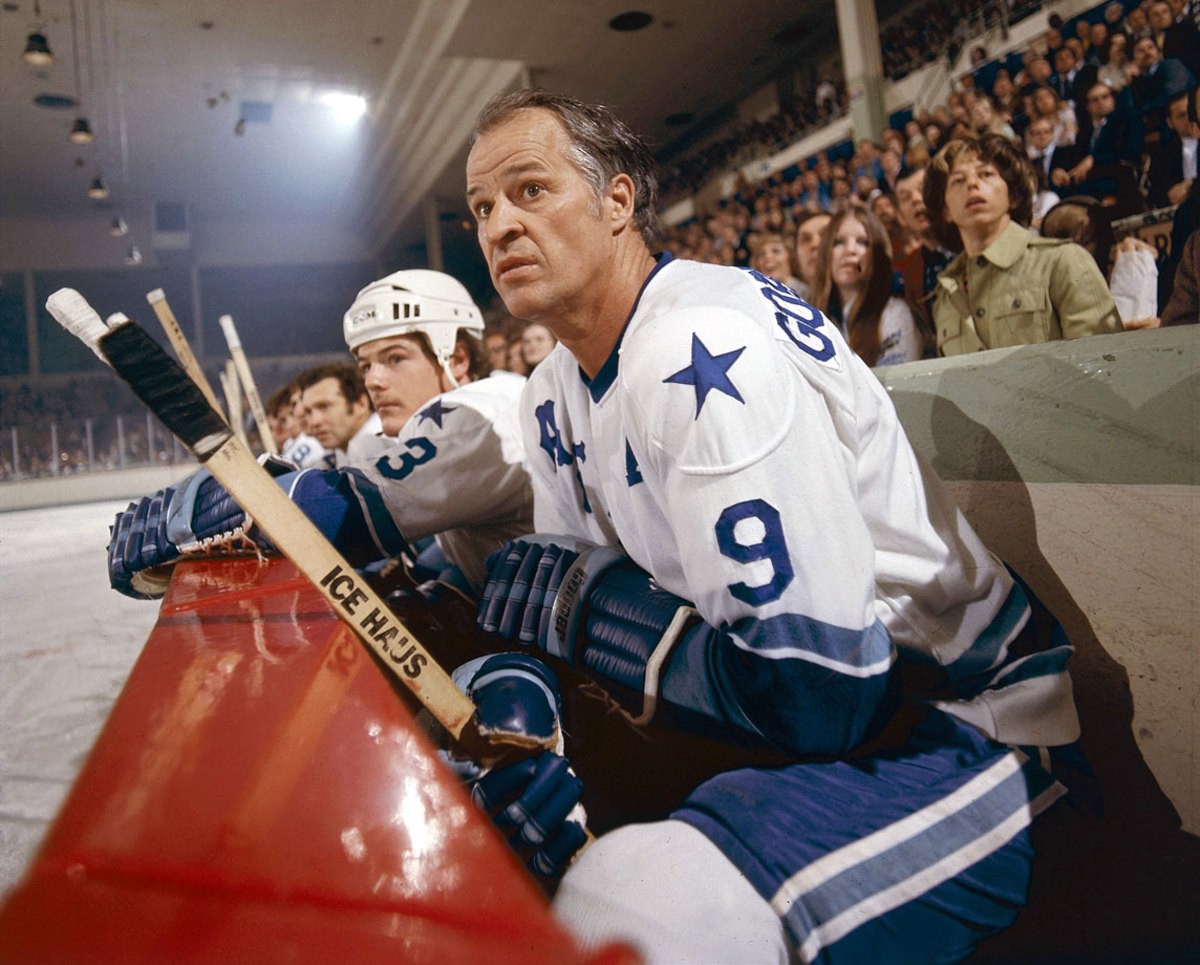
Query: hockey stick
(179,403)
(183,351)
(247,379)
(232,390)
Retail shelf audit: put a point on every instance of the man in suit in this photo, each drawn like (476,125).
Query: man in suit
(1174,38)
(1158,80)
(1173,163)
(1108,152)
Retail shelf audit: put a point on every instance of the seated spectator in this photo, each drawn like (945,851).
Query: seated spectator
(1045,156)
(1129,267)
(924,259)
(810,231)
(855,268)
(883,206)
(772,258)
(1155,81)
(1107,154)
(1007,286)
(1175,38)
(516,356)
(1047,103)
(1097,44)
(1172,169)
(1137,23)
(1070,76)
(1115,68)
(987,121)
(496,343)
(537,341)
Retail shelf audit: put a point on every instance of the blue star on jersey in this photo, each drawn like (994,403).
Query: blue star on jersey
(435,411)
(708,372)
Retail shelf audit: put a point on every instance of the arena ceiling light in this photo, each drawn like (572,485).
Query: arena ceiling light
(37,47)
(97,190)
(81,132)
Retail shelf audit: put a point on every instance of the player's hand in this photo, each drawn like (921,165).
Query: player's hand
(589,605)
(523,590)
(533,802)
(197,516)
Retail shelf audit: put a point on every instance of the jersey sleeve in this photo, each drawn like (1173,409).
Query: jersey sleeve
(755,472)
(452,466)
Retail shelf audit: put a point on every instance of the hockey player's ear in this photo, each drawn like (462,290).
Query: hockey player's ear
(460,363)
(621,197)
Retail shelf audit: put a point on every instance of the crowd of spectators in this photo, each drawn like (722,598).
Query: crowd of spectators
(1107,136)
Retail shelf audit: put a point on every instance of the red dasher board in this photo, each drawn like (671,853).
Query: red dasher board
(261,793)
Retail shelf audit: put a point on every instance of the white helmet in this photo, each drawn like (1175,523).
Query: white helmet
(416,300)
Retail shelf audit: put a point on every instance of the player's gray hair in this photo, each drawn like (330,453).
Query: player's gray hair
(603,146)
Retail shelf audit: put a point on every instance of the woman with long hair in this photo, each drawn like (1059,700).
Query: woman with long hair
(855,271)
(1047,103)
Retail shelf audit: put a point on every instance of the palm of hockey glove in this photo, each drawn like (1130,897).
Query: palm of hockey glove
(198,516)
(589,605)
(534,802)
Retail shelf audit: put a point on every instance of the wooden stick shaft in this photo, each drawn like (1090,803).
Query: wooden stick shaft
(232,389)
(246,376)
(349,594)
(183,351)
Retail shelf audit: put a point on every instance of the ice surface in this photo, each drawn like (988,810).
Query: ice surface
(67,644)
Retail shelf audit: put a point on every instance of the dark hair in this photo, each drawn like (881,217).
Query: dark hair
(603,146)
(1009,159)
(349,380)
(1086,222)
(280,399)
(479,362)
(862,327)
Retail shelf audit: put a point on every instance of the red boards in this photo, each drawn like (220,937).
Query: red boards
(261,793)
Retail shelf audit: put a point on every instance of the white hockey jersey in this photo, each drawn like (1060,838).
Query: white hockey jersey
(456,470)
(737,449)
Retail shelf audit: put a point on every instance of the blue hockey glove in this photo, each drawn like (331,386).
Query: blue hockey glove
(534,802)
(591,606)
(199,517)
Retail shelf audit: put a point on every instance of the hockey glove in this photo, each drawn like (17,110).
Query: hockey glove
(591,606)
(199,517)
(534,802)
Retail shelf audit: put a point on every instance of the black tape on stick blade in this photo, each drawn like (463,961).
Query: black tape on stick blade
(160,382)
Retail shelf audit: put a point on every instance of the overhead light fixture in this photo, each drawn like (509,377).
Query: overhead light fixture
(37,50)
(133,256)
(97,190)
(240,127)
(118,228)
(81,131)
(37,47)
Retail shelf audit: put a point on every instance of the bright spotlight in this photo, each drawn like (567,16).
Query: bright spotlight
(347,107)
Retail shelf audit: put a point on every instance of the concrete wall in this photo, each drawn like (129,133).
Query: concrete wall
(1078,463)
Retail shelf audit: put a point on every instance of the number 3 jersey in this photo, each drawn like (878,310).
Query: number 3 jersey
(456,471)
(738,450)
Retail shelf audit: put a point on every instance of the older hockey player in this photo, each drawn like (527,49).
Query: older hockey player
(749,546)
(338,412)
(454,470)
